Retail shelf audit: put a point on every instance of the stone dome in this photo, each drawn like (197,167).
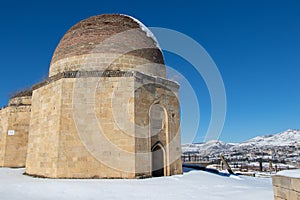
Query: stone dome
(108,42)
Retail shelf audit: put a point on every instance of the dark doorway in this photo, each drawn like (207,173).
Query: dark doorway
(157,161)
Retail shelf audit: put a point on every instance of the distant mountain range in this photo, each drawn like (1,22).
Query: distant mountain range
(286,139)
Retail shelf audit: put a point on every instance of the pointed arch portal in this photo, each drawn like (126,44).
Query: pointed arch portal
(158,160)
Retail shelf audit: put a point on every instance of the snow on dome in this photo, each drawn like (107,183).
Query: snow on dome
(145,29)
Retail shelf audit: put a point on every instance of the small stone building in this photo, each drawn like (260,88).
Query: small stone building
(14,128)
(107,109)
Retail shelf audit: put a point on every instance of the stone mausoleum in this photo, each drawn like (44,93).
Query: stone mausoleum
(105,111)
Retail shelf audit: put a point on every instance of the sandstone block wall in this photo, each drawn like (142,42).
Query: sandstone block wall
(94,142)
(3,133)
(74,132)
(286,188)
(85,127)
(42,154)
(14,118)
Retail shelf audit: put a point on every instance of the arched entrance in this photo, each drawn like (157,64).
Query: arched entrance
(158,140)
(158,160)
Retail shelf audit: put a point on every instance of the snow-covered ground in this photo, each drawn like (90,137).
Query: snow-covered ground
(191,185)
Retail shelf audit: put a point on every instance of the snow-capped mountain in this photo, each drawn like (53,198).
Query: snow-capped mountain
(211,147)
(287,138)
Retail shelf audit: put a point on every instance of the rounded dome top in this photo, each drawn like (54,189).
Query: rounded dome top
(114,34)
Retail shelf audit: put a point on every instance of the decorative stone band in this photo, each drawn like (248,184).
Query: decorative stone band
(140,77)
(20,101)
(18,108)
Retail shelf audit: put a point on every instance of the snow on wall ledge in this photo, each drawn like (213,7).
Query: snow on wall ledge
(290,173)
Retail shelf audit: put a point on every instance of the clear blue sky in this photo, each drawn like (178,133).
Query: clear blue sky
(255,44)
